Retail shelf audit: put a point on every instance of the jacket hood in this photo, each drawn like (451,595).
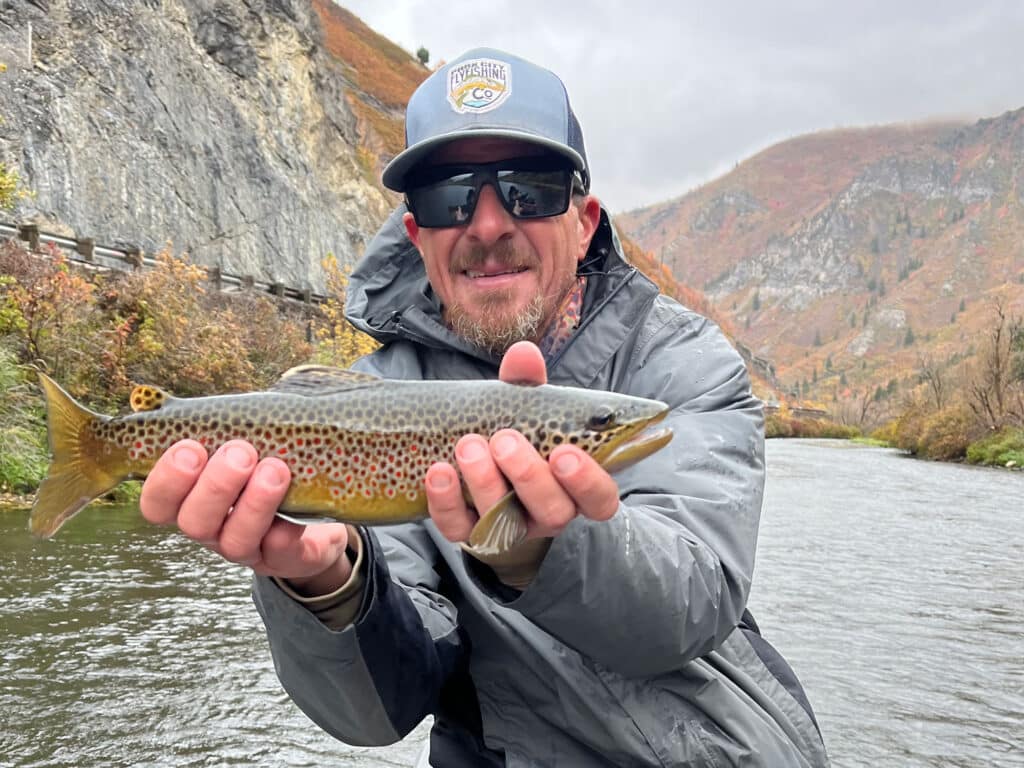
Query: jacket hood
(389,297)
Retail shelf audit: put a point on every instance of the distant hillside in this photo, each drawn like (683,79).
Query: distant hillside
(846,257)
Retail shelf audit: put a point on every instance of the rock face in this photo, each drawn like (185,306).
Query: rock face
(221,126)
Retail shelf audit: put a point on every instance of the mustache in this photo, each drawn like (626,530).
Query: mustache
(503,252)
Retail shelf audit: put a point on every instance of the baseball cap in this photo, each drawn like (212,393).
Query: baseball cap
(487,92)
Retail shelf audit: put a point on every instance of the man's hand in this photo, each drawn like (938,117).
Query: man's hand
(555,491)
(227,503)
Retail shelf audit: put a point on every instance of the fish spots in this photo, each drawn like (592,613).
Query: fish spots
(366,449)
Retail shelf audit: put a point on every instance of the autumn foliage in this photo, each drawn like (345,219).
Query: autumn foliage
(100,333)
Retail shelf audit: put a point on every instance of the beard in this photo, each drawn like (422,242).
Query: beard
(496,331)
(494,326)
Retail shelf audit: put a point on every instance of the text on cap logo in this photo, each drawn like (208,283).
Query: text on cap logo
(478,85)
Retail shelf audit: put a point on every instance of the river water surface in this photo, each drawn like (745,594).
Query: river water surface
(894,587)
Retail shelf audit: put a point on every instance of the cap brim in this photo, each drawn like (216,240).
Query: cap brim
(396,171)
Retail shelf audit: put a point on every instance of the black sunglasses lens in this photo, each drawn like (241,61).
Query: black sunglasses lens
(535,194)
(447,202)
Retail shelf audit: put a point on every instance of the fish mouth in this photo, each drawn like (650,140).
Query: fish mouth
(639,446)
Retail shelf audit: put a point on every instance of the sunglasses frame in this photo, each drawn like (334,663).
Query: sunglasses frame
(487,173)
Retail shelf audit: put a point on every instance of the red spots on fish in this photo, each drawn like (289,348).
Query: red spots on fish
(282,451)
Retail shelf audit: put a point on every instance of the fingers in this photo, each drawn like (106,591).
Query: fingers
(549,506)
(204,510)
(170,481)
(226,502)
(241,536)
(594,491)
(552,491)
(445,503)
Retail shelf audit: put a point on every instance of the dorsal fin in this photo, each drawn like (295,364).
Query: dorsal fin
(145,397)
(321,380)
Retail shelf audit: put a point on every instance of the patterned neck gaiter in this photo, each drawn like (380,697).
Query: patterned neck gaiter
(566,321)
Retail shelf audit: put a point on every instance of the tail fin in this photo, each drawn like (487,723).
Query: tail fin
(74,478)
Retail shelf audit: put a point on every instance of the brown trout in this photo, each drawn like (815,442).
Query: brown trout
(358,446)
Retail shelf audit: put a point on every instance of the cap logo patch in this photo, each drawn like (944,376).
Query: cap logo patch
(478,85)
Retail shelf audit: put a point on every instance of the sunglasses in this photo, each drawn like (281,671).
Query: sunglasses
(528,188)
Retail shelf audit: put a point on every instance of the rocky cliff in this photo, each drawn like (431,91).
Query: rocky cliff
(235,129)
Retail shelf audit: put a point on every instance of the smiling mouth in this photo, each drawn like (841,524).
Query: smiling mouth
(473,274)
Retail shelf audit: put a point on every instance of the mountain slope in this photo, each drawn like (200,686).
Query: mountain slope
(846,257)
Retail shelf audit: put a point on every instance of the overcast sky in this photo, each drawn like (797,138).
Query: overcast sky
(672,93)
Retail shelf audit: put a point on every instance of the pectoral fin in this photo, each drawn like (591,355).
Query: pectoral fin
(500,528)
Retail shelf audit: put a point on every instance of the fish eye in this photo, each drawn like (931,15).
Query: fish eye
(603,418)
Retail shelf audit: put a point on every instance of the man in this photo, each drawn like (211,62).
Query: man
(616,634)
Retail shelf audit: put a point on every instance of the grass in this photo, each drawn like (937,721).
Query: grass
(1001,449)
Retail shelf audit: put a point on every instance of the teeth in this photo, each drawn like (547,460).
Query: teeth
(474,274)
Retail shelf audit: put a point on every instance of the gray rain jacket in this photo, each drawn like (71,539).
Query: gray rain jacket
(632,646)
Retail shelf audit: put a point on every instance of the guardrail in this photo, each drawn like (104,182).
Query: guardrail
(85,251)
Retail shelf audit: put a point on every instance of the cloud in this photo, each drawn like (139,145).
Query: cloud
(672,93)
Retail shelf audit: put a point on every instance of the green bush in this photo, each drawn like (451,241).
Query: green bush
(23,451)
(999,449)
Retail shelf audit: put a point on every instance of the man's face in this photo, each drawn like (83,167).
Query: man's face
(502,279)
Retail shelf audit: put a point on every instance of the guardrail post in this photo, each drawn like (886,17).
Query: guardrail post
(277,289)
(133,255)
(86,248)
(30,234)
(213,275)
(248,281)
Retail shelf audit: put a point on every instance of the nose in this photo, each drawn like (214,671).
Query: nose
(490,222)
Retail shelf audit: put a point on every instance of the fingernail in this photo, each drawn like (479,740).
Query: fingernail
(271,476)
(187,459)
(566,464)
(503,446)
(472,450)
(440,481)
(238,457)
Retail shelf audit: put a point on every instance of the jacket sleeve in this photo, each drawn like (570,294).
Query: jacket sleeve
(372,682)
(667,578)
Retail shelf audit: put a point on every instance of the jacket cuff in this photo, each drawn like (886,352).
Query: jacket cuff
(517,567)
(337,609)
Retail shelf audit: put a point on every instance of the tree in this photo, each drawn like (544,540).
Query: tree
(996,389)
(423,55)
(932,373)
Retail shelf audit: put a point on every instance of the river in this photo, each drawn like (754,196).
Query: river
(893,586)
